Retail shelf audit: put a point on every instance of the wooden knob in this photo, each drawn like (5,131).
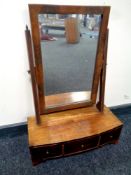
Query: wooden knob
(82,146)
(29,71)
(47,152)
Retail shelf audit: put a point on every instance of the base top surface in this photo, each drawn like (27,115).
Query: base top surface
(70,125)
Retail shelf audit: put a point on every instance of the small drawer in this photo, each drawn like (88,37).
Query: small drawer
(110,136)
(46,151)
(80,145)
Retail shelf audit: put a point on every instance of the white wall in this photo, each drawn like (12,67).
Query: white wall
(16,102)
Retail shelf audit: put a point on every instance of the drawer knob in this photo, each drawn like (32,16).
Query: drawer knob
(82,146)
(47,152)
(111,136)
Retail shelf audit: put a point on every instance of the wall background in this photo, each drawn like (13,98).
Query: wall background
(16,101)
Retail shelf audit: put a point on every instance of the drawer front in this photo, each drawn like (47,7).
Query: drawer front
(110,136)
(80,145)
(46,152)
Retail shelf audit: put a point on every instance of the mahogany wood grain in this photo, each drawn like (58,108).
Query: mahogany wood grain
(64,98)
(100,53)
(54,102)
(100,104)
(33,75)
(38,59)
(70,125)
(66,132)
(36,9)
(110,136)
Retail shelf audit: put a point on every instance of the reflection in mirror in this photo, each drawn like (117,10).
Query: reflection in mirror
(68,46)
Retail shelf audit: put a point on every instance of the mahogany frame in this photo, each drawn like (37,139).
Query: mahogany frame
(100,64)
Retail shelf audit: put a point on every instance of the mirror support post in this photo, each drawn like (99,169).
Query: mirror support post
(33,74)
(100,104)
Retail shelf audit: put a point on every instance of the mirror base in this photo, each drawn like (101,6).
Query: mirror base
(71,132)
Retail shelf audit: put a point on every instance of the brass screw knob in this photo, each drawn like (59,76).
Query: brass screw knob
(111,136)
(82,146)
(47,152)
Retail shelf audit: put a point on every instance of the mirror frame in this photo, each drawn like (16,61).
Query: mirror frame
(35,10)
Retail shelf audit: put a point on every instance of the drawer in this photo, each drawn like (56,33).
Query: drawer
(80,145)
(46,152)
(110,136)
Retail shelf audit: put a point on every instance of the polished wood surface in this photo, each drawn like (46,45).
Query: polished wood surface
(100,104)
(100,52)
(70,125)
(33,74)
(65,132)
(35,10)
(66,98)
(66,101)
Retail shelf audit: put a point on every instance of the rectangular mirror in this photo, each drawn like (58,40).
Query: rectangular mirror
(68,48)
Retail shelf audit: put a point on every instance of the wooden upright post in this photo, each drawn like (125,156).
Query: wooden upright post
(100,104)
(33,74)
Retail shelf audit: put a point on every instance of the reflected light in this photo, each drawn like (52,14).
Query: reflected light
(80,96)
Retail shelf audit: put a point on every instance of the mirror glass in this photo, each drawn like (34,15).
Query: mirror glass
(68,45)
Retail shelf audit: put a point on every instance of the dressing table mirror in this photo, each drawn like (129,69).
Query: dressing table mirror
(67,50)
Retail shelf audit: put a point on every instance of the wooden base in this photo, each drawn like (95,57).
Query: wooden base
(70,132)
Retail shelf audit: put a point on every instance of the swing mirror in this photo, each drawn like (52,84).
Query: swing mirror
(68,49)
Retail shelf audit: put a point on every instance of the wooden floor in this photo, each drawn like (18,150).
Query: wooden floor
(70,125)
